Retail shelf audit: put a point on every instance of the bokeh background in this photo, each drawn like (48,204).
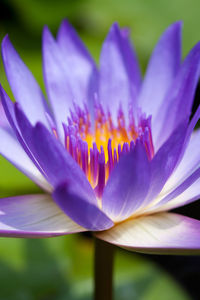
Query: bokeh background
(62,268)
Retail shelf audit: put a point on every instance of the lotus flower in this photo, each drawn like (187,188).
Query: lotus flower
(112,152)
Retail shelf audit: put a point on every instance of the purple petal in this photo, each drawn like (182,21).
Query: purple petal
(192,124)
(24,134)
(119,72)
(4,123)
(80,68)
(178,102)
(58,88)
(71,44)
(23,84)
(19,127)
(79,209)
(163,233)
(27,133)
(34,216)
(183,185)
(184,197)
(58,164)
(8,107)
(188,164)
(14,153)
(163,66)
(191,183)
(165,160)
(127,185)
(67,74)
(25,127)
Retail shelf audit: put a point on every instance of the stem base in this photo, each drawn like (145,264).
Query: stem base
(103,270)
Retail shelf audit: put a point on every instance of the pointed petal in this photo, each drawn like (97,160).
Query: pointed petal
(165,161)
(58,88)
(18,131)
(163,66)
(58,164)
(119,72)
(24,135)
(182,187)
(163,233)
(79,209)
(71,44)
(34,216)
(8,107)
(14,153)
(178,102)
(24,126)
(81,71)
(69,74)
(127,185)
(4,123)
(184,193)
(188,164)
(23,84)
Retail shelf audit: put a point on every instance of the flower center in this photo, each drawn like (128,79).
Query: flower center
(98,147)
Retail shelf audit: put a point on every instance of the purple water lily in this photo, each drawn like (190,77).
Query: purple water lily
(112,152)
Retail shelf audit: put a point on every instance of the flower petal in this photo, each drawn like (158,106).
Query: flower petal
(12,151)
(163,233)
(34,216)
(4,123)
(13,138)
(81,71)
(58,89)
(23,84)
(68,73)
(165,160)
(24,134)
(186,192)
(79,209)
(183,180)
(178,102)
(58,164)
(182,187)
(119,72)
(188,164)
(127,185)
(163,66)
(8,107)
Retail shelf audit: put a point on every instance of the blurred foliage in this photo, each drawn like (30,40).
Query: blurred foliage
(61,268)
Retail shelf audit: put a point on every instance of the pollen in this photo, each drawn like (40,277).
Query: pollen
(97,145)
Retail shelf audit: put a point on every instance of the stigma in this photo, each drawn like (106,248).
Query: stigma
(97,145)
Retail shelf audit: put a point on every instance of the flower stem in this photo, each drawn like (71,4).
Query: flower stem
(103,270)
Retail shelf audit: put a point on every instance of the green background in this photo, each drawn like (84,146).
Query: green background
(62,268)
